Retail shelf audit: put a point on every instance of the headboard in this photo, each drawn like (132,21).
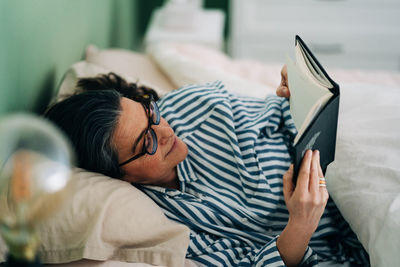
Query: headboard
(40,39)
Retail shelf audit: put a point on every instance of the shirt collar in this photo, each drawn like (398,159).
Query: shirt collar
(185,174)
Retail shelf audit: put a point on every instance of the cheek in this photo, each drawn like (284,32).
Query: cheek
(146,170)
(152,168)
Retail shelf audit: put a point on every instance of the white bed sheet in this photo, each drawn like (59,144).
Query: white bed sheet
(364,179)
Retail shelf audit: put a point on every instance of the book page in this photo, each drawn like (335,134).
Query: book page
(302,55)
(306,97)
(302,60)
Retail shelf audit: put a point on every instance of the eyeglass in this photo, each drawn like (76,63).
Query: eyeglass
(150,138)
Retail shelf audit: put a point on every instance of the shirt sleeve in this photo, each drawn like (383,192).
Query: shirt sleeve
(268,255)
(188,107)
(268,116)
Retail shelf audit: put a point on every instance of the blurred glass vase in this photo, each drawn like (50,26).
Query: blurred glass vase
(35,161)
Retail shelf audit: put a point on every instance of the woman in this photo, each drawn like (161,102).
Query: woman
(215,162)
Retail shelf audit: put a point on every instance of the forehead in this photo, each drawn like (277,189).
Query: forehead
(131,122)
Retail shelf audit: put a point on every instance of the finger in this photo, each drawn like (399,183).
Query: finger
(320,173)
(287,92)
(288,186)
(283,80)
(279,91)
(282,91)
(304,173)
(314,177)
(325,195)
(323,188)
(284,72)
(324,192)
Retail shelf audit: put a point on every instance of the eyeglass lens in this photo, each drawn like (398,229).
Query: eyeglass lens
(150,140)
(154,113)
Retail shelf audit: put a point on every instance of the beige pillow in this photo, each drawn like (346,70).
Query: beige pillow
(130,64)
(109,219)
(78,70)
(85,69)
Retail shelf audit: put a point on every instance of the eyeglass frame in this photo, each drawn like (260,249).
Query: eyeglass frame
(153,133)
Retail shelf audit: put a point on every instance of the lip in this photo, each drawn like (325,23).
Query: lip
(173,145)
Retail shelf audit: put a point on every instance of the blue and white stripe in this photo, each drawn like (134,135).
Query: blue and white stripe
(231,192)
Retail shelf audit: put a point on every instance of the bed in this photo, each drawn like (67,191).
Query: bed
(91,229)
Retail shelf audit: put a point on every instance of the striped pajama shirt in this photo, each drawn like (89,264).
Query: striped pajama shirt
(231,191)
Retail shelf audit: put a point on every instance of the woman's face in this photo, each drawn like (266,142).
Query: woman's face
(157,169)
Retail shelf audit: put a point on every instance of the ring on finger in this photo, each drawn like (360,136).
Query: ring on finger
(322,182)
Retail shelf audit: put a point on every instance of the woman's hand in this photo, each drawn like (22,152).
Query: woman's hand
(283,88)
(306,203)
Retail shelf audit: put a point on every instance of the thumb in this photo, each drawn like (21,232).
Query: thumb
(283,91)
(288,186)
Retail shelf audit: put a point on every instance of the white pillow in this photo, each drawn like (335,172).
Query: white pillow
(364,179)
(195,64)
(109,219)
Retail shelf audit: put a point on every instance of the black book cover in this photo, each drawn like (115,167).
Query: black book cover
(321,132)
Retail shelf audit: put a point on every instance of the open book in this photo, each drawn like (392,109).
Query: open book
(314,106)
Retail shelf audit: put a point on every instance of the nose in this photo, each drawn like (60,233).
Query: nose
(164,132)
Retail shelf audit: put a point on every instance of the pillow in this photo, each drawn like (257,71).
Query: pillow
(109,219)
(85,69)
(78,70)
(186,63)
(194,64)
(364,179)
(130,64)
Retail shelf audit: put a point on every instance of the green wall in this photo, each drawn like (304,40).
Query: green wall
(40,39)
